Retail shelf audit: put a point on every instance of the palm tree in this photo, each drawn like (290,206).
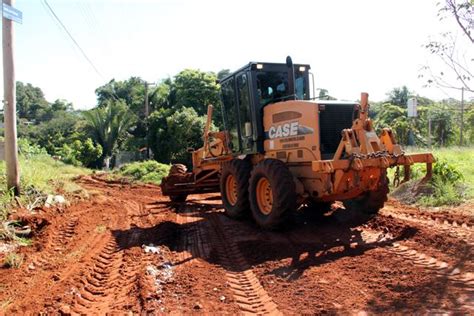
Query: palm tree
(108,124)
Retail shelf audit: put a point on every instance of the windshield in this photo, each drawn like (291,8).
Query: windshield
(273,86)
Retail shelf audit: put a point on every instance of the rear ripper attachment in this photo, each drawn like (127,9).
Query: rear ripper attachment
(281,149)
(361,158)
(207,162)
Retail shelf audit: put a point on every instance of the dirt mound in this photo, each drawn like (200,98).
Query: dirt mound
(410,192)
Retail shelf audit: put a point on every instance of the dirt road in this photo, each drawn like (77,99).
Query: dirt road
(129,249)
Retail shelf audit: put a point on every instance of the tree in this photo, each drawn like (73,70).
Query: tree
(324,94)
(442,125)
(61,105)
(163,96)
(79,153)
(223,73)
(457,63)
(399,96)
(62,128)
(463,13)
(131,92)
(173,133)
(196,89)
(29,101)
(395,117)
(108,125)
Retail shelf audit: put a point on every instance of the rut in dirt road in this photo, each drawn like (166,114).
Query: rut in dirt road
(211,236)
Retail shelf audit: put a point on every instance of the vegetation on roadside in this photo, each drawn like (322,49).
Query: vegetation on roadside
(13,260)
(148,171)
(40,175)
(451,184)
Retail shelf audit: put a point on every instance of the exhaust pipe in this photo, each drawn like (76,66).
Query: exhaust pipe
(291,77)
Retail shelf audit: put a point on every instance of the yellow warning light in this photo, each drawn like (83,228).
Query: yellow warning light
(302,68)
(259,66)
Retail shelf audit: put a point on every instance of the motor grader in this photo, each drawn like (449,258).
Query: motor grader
(281,149)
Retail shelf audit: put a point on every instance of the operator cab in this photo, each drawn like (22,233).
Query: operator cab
(245,92)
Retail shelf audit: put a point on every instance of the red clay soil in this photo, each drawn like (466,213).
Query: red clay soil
(128,249)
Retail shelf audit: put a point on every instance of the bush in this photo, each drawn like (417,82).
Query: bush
(443,193)
(149,171)
(81,153)
(445,172)
(28,150)
(446,187)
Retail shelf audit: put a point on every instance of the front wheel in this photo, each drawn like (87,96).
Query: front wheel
(272,193)
(234,183)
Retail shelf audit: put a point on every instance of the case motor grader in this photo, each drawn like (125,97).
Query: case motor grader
(280,149)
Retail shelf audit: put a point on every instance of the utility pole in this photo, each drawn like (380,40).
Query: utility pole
(147,113)
(11,145)
(429,128)
(462,117)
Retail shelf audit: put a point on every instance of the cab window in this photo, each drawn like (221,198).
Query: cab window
(230,110)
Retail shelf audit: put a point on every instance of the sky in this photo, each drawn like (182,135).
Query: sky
(352,46)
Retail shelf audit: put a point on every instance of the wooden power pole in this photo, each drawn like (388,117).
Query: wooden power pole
(147,113)
(11,145)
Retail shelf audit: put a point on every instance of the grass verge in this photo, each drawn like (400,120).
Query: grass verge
(452,182)
(40,175)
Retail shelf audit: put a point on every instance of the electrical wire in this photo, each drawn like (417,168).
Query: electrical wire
(74,41)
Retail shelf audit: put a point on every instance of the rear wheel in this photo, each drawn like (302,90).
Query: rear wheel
(234,184)
(372,201)
(272,193)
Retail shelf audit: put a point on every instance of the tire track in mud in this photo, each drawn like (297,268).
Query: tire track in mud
(96,281)
(104,282)
(58,241)
(453,228)
(197,242)
(249,294)
(453,275)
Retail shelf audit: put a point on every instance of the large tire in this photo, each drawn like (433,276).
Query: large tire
(372,201)
(272,193)
(177,174)
(234,183)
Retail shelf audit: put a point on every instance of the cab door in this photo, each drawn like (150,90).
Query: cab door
(245,114)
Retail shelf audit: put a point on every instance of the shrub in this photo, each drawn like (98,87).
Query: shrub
(149,171)
(28,150)
(443,193)
(446,172)
(81,153)
(446,187)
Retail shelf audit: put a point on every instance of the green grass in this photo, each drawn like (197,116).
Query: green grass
(446,187)
(13,260)
(39,175)
(462,158)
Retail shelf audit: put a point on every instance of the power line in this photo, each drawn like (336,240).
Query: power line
(72,38)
